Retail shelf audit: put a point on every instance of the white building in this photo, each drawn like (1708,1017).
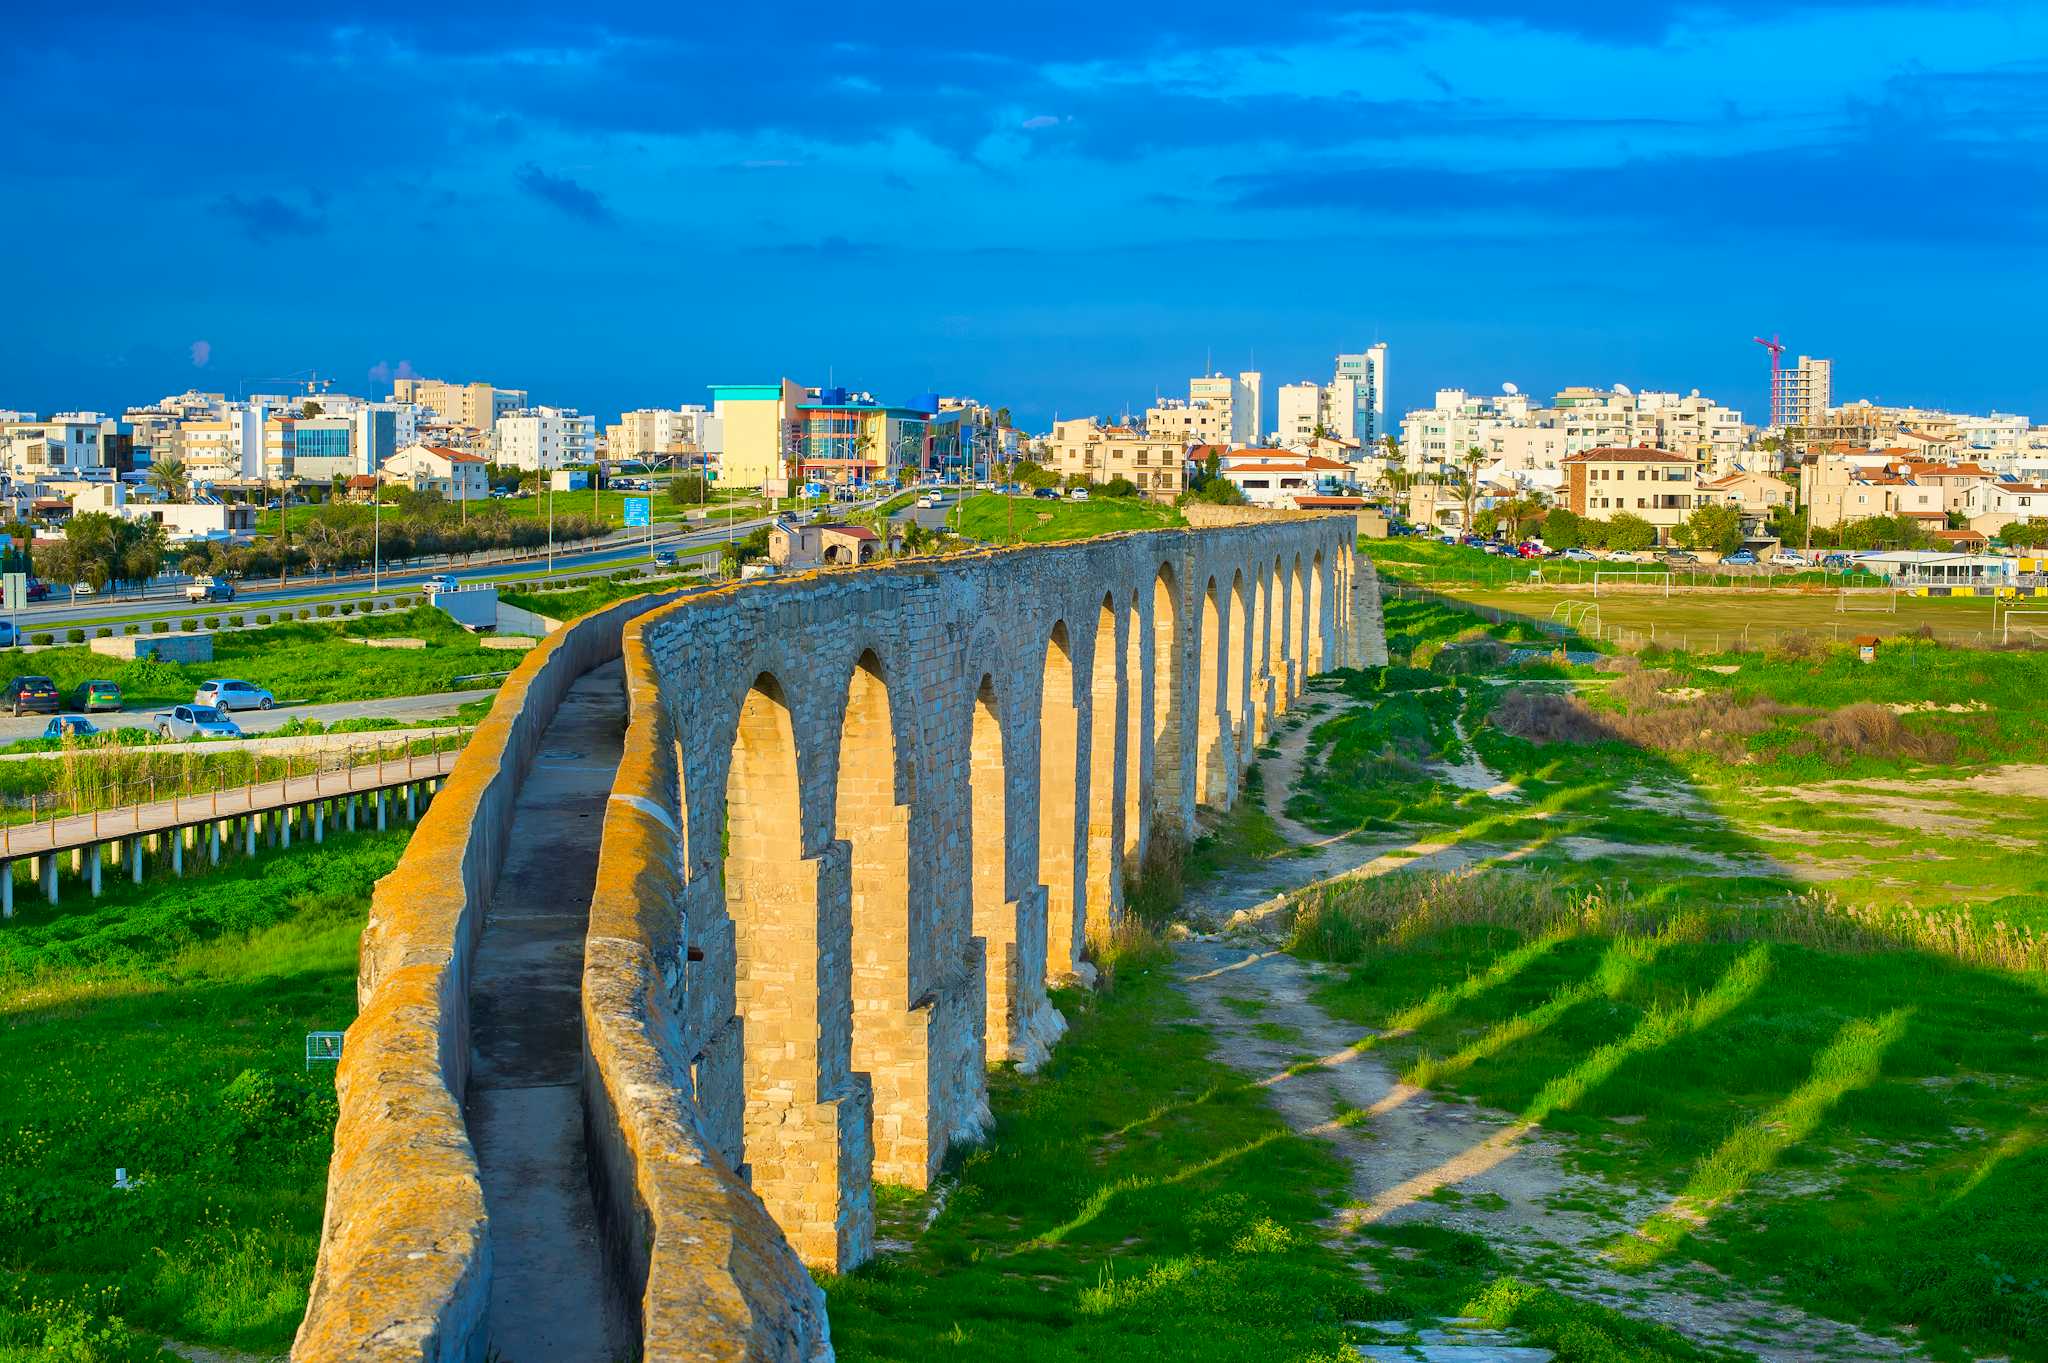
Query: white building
(1269,477)
(64,446)
(458,475)
(544,438)
(657,431)
(1357,408)
(1219,410)
(1298,411)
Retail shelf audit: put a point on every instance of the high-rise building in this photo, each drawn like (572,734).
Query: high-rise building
(1804,392)
(1298,414)
(1220,410)
(1358,395)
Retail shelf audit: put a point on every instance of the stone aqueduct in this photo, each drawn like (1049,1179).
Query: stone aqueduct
(861,820)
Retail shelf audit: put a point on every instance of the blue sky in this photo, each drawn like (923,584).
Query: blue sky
(1066,209)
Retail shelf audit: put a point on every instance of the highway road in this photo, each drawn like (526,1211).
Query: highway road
(166,594)
(407,709)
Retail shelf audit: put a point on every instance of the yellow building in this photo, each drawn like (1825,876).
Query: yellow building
(758,424)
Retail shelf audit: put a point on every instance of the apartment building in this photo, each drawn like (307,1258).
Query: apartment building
(1219,410)
(1844,488)
(1755,495)
(1298,414)
(63,446)
(476,406)
(657,432)
(1084,449)
(1357,406)
(1802,392)
(544,438)
(1657,485)
(1271,477)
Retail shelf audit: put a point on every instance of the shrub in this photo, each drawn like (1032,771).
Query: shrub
(262,619)
(103,633)
(46,638)
(131,629)
(76,636)
(305,614)
(189,623)
(1545,716)
(324,609)
(348,608)
(1119,487)
(213,622)
(160,627)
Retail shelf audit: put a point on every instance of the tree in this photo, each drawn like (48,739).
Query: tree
(1003,418)
(99,550)
(167,476)
(2027,534)
(1472,459)
(1562,529)
(1119,487)
(1628,531)
(1716,527)
(688,489)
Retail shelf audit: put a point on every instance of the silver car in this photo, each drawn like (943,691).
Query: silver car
(232,695)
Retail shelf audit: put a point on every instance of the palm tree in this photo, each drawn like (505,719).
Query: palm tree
(1474,457)
(167,476)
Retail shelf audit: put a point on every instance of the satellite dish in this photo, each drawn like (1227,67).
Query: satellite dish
(1509,389)
(1622,390)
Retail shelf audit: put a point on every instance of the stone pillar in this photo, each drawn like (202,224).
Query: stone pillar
(284,826)
(808,1138)
(410,808)
(6,889)
(178,852)
(213,842)
(380,811)
(349,813)
(320,821)
(135,859)
(92,861)
(49,873)
(249,835)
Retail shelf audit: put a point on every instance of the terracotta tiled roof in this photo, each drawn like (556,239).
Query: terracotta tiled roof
(1617,455)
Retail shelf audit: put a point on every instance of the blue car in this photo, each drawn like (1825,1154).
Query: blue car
(1741,558)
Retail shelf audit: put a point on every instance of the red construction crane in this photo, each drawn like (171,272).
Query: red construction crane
(1777,348)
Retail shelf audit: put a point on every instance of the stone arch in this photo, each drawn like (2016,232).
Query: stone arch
(1283,644)
(1059,795)
(1318,629)
(1166,684)
(806,1132)
(891,1029)
(1132,769)
(1104,868)
(1297,624)
(1237,661)
(1211,768)
(995,909)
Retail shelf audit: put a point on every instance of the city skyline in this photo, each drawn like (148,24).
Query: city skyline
(1058,213)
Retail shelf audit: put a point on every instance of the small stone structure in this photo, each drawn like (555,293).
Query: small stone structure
(171,648)
(862,818)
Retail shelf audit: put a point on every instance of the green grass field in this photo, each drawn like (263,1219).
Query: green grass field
(304,662)
(1139,1201)
(162,1029)
(1765,932)
(999,519)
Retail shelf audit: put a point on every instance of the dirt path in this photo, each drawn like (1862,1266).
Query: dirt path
(1510,1179)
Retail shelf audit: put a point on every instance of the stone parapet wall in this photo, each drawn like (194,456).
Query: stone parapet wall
(710,1272)
(405,1256)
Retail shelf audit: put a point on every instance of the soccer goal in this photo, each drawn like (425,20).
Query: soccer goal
(2038,633)
(1873,602)
(1633,578)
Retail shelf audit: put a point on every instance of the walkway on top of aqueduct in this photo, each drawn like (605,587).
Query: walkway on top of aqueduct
(856,822)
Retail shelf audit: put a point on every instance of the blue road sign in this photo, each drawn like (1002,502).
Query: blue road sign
(637,511)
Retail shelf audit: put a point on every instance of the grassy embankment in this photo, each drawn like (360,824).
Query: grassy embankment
(303,662)
(1759,931)
(999,519)
(161,1029)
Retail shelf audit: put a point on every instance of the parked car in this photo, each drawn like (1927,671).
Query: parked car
(205,588)
(1531,549)
(70,726)
(1791,558)
(1681,557)
(97,695)
(32,693)
(1839,562)
(233,695)
(195,721)
(1741,558)
(1630,556)
(664,558)
(1052,493)
(1578,555)
(9,636)
(1079,494)
(83,589)
(38,590)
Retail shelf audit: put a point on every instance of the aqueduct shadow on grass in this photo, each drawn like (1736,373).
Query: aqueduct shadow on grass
(860,821)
